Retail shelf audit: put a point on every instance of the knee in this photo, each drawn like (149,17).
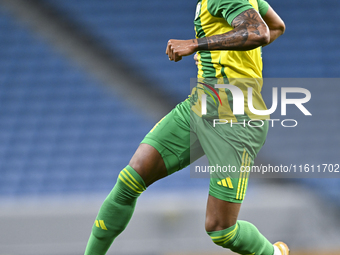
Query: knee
(129,186)
(214,224)
(211,224)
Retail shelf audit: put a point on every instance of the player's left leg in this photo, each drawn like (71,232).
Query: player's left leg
(145,167)
(164,150)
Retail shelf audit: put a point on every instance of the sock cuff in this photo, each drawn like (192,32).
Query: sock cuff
(221,232)
(132,179)
(222,237)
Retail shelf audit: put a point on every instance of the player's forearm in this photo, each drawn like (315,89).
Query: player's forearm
(249,32)
(274,34)
(276,25)
(237,39)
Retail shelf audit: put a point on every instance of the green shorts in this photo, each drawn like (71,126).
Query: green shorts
(182,137)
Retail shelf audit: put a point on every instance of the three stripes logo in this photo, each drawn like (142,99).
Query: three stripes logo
(226,183)
(100,224)
(244,176)
(242,179)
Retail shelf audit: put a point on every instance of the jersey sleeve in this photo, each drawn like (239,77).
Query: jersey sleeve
(228,9)
(263,7)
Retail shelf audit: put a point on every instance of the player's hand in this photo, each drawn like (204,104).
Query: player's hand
(196,59)
(176,49)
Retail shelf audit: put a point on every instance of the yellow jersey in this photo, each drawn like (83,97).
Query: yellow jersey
(242,69)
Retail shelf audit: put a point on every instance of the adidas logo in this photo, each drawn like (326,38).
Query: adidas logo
(226,183)
(100,224)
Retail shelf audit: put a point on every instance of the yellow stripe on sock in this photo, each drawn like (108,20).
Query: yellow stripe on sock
(121,178)
(240,177)
(129,180)
(97,224)
(231,237)
(136,182)
(225,235)
(221,238)
(226,238)
(102,225)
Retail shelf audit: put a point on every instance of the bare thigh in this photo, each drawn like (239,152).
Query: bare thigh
(220,214)
(148,163)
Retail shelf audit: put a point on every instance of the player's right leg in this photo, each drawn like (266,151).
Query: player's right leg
(164,150)
(231,150)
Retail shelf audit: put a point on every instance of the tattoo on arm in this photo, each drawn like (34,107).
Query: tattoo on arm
(242,37)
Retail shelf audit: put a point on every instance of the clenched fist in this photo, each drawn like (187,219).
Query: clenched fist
(176,49)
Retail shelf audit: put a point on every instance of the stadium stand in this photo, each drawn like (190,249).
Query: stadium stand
(139,33)
(309,47)
(60,131)
(119,25)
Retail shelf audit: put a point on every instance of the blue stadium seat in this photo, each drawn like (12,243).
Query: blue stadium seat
(60,131)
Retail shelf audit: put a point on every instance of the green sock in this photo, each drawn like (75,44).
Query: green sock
(243,238)
(116,211)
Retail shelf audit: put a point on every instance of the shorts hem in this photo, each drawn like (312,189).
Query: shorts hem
(168,157)
(225,198)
